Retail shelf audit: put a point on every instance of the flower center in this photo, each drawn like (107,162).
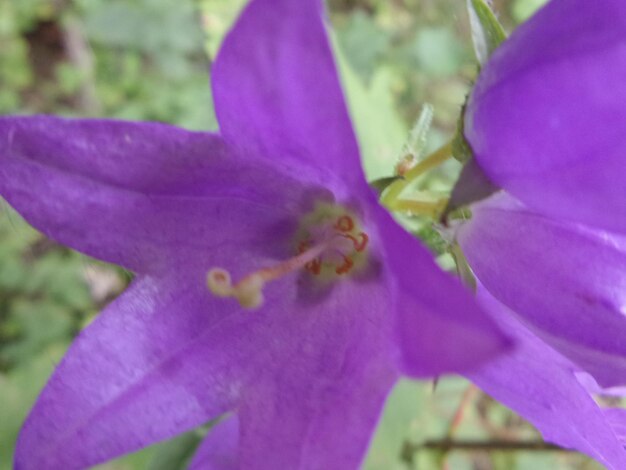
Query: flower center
(329,243)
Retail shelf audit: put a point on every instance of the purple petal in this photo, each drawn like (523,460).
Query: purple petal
(567,281)
(594,387)
(169,356)
(220,449)
(318,410)
(277,90)
(137,194)
(617,418)
(440,326)
(326,369)
(541,385)
(155,363)
(546,119)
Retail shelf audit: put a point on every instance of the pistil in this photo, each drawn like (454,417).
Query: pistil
(249,290)
(330,244)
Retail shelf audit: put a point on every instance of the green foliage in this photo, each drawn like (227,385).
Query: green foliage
(15,75)
(151,26)
(487,32)
(361,29)
(43,296)
(217,18)
(523,9)
(436,51)
(44,300)
(380,130)
(18,390)
(398,423)
(155,47)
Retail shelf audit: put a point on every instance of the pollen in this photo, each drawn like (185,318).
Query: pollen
(329,244)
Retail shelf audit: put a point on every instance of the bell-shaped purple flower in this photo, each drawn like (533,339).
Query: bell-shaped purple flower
(547,118)
(543,386)
(566,281)
(316,299)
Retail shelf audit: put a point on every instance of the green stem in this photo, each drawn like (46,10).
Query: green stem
(428,208)
(432,161)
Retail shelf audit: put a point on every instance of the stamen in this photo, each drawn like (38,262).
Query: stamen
(346,266)
(361,243)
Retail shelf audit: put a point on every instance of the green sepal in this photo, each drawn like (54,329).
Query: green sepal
(472,186)
(461,149)
(463,268)
(487,32)
(380,184)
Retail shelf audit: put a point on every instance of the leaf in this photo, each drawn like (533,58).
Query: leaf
(487,32)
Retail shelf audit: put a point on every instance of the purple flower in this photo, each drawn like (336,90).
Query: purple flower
(317,300)
(560,290)
(543,386)
(567,282)
(547,119)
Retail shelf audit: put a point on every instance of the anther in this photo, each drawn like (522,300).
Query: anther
(360,243)
(344,224)
(314,266)
(346,266)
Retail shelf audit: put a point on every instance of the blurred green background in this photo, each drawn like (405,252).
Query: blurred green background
(148,60)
